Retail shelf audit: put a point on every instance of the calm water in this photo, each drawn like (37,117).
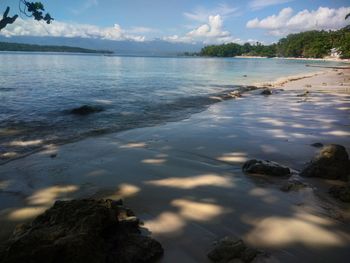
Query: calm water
(37,90)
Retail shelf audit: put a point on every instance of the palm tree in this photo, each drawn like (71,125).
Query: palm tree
(347,16)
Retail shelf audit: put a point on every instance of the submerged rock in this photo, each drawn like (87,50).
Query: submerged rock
(317,145)
(89,231)
(265,168)
(86,109)
(232,250)
(340,192)
(293,185)
(331,163)
(266,92)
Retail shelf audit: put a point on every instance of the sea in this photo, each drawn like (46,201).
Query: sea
(39,90)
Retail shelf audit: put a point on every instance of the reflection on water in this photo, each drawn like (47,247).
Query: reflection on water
(38,90)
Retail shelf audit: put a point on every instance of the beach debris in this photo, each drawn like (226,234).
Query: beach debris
(266,92)
(317,145)
(308,85)
(265,167)
(88,230)
(332,162)
(293,185)
(340,192)
(86,109)
(230,249)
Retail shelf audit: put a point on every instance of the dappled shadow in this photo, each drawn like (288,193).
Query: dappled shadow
(184,179)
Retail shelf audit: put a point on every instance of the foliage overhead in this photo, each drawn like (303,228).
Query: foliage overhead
(30,9)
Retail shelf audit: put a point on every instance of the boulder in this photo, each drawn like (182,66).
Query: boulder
(341,192)
(265,168)
(331,163)
(230,250)
(89,231)
(85,110)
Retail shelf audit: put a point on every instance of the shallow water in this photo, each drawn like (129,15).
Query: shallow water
(37,91)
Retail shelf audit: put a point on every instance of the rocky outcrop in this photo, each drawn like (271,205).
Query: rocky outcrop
(232,250)
(331,163)
(86,110)
(89,231)
(265,168)
(340,192)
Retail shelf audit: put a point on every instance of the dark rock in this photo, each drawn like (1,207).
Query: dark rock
(86,109)
(305,94)
(317,145)
(89,231)
(331,163)
(245,76)
(266,92)
(54,155)
(340,192)
(230,250)
(265,168)
(293,185)
(249,254)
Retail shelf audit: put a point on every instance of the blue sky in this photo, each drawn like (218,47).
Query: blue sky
(208,21)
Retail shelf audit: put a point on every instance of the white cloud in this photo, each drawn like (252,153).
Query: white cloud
(31,27)
(259,4)
(287,22)
(210,33)
(201,14)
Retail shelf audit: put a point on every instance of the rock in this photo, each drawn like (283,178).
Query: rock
(340,192)
(305,94)
(293,185)
(266,92)
(231,250)
(86,109)
(265,168)
(245,76)
(331,163)
(89,231)
(317,145)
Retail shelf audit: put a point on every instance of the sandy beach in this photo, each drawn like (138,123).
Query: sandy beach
(184,179)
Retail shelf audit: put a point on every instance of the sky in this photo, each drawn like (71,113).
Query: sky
(187,21)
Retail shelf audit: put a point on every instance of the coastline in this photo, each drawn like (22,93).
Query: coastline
(195,166)
(326,59)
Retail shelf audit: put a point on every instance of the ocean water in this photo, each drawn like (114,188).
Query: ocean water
(38,90)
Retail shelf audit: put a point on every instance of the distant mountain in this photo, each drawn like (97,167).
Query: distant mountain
(146,48)
(7,46)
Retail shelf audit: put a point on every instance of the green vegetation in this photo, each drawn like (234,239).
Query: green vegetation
(5,46)
(310,44)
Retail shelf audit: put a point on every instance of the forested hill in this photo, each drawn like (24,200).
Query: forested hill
(310,44)
(7,46)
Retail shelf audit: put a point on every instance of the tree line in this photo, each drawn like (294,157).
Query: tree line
(310,44)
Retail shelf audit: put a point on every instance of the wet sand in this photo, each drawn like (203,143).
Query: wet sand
(184,179)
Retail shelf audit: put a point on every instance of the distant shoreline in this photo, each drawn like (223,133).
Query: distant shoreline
(18,47)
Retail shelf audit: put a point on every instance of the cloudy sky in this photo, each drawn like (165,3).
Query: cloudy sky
(205,21)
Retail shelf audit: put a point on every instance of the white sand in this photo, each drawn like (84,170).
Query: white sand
(184,178)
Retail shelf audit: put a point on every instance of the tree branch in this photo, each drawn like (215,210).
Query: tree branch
(6,19)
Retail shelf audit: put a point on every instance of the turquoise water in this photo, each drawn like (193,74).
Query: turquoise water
(38,90)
